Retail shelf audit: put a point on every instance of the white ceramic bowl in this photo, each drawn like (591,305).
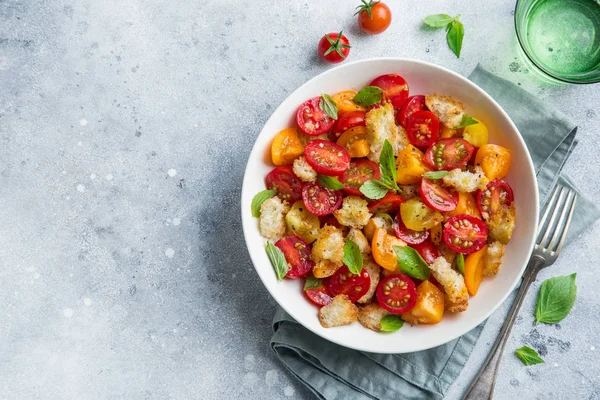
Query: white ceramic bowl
(422,78)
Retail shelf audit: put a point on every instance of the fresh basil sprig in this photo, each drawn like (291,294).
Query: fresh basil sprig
(258,199)
(353,257)
(556,298)
(411,263)
(328,105)
(278,261)
(312,283)
(435,174)
(467,120)
(455,28)
(368,96)
(330,182)
(376,189)
(528,355)
(459,261)
(390,323)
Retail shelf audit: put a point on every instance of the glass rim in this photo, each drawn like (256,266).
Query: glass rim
(538,65)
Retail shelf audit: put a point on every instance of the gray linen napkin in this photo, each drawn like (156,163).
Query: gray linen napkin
(333,372)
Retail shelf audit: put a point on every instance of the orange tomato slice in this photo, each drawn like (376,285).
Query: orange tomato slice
(383,249)
(494,160)
(466,205)
(429,308)
(410,165)
(345,101)
(286,147)
(354,140)
(474,264)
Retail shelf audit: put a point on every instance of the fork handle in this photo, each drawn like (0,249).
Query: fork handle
(482,387)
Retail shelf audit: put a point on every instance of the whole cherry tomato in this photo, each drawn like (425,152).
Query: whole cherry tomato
(334,47)
(374,17)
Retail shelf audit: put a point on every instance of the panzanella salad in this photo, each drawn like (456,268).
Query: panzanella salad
(392,208)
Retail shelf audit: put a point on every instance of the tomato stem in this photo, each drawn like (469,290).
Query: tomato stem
(336,45)
(366,6)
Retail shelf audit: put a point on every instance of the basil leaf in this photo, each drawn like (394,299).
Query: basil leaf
(460,263)
(330,182)
(390,323)
(455,36)
(467,120)
(411,263)
(278,261)
(368,96)
(528,355)
(387,163)
(312,283)
(556,298)
(258,199)
(353,257)
(435,174)
(438,20)
(328,105)
(373,189)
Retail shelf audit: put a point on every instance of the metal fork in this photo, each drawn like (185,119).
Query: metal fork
(550,239)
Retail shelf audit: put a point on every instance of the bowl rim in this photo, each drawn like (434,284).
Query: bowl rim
(247,217)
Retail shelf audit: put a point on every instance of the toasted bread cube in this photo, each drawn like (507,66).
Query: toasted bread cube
(374,272)
(453,283)
(465,181)
(493,258)
(341,311)
(409,191)
(326,268)
(358,237)
(303,170)
(272,218)
(329,245)
(354,212)
(447,109)
(381,126)
(502,224)
(370,316)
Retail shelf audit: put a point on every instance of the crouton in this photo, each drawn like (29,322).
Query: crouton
(378,221)
(381,126)
(453,284)
(374,271)
(502,224)
(446,252)
(370,316)
(493,258)
(465,181)
(409,191)
(300,222)
(326,268)
(303,170)
(339,312)
(272,218)
(447,109)
(305,139)
(358,237)
(329,245)
(354,212)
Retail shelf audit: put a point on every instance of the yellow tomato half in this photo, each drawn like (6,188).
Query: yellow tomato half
(383,249)
(429,308)
(494,160)
(286,147)
(354,140)
(345,101)
(417,216)
(476,134)
(410,165)
(466,205)
(474,264)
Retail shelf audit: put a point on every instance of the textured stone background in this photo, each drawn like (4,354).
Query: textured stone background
(124,132)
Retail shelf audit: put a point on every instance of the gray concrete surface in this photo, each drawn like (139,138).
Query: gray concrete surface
(124,132)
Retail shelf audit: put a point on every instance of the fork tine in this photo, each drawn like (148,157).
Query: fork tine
(557,207)
(549,206)
(565,229)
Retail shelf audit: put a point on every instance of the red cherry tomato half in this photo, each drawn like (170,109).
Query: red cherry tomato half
(427,250)
(327,158)
(358,173)
(319,200)
(423,128)
(397,294)
(438,197)
(297,255)
(498,193)
(311,119)
(411,106)
(389,203)
(345,282)
(465,234)
(287,185)
(333,47)
(395,88)
(447,154)
(320,295)
(348,120)
(408,235)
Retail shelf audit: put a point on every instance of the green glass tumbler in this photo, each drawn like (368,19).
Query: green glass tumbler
(561,38)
